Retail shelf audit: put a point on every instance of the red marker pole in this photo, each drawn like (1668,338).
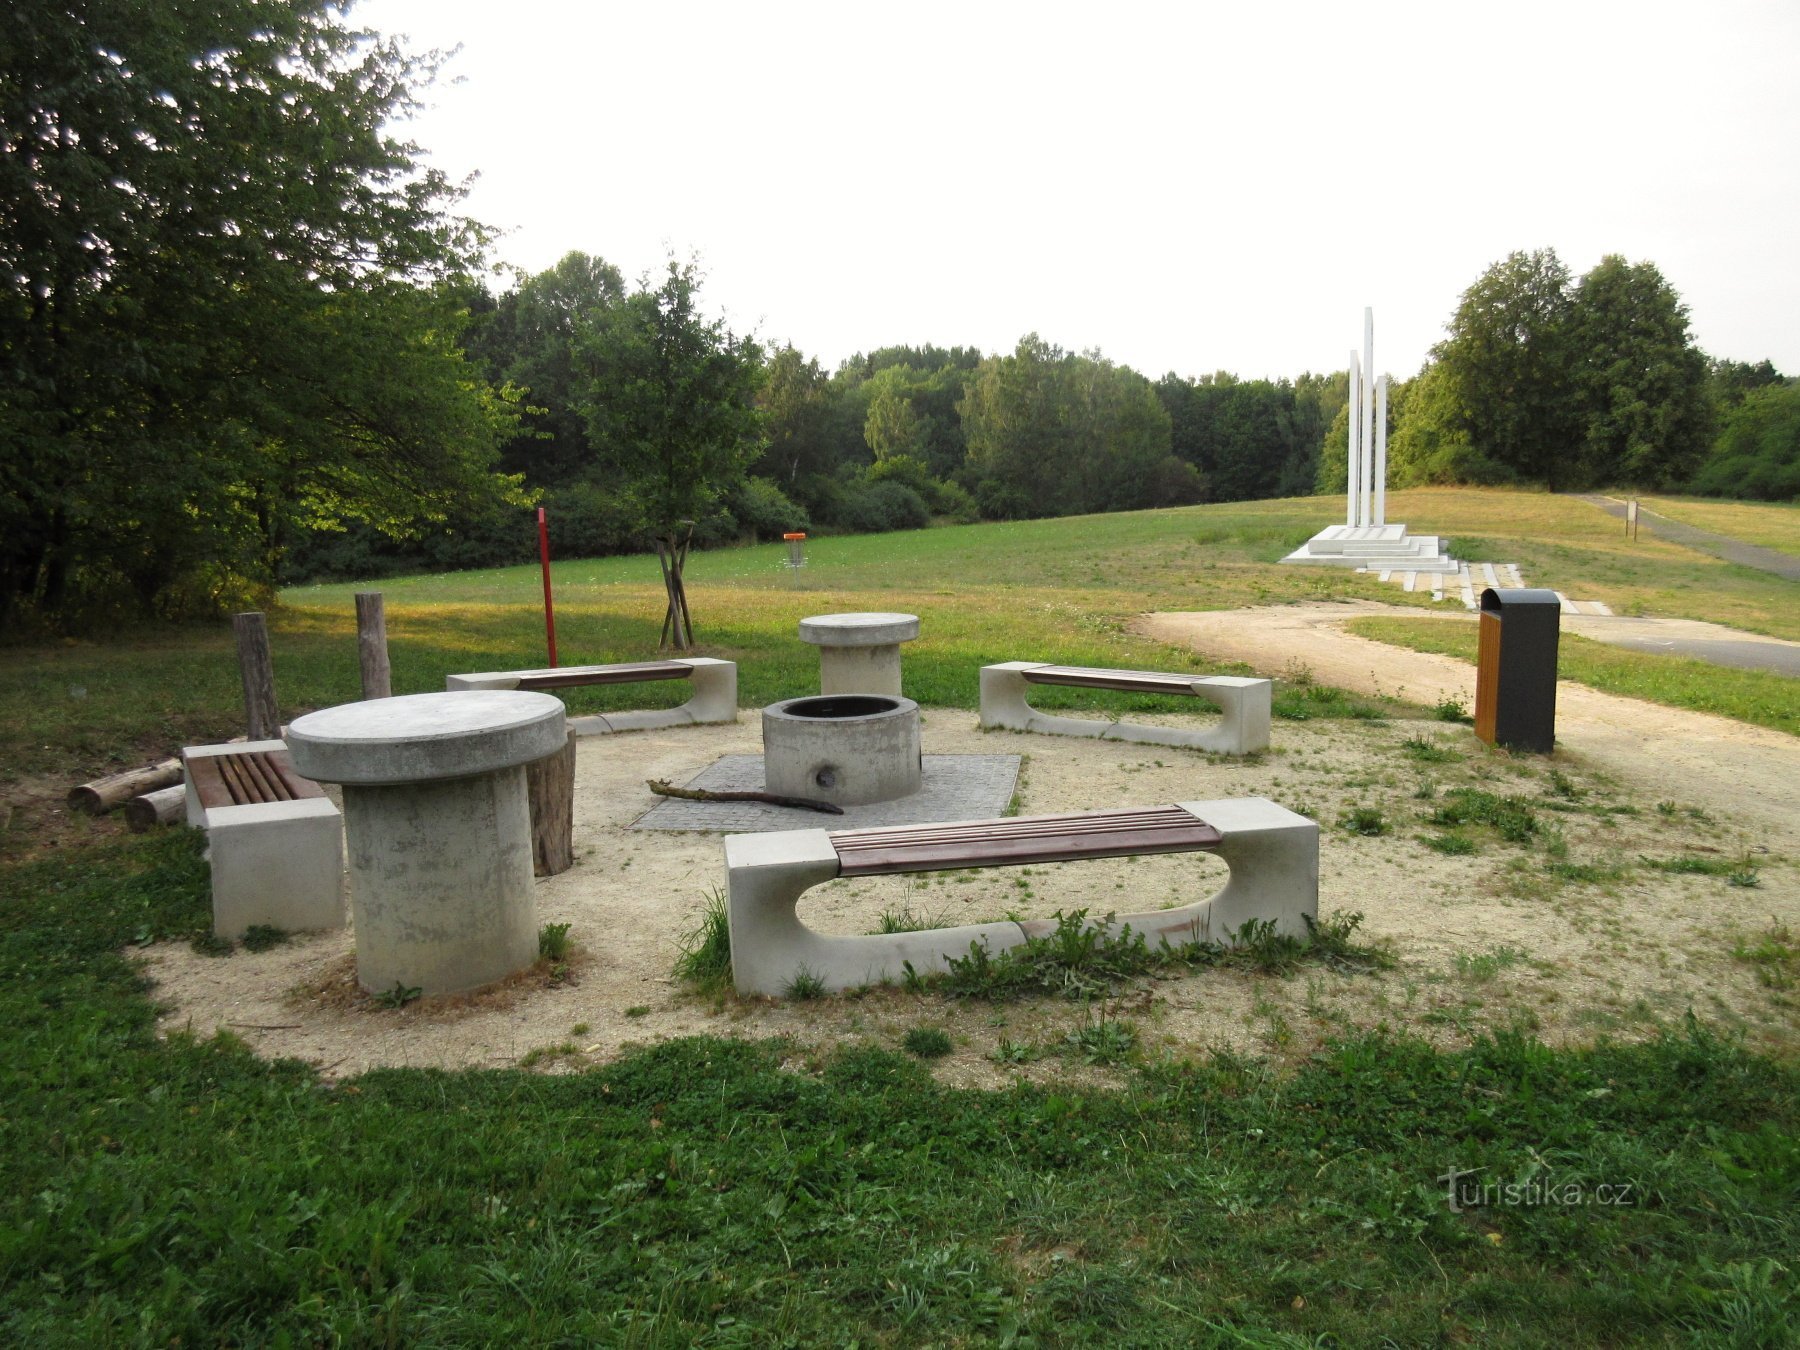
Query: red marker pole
(549,612)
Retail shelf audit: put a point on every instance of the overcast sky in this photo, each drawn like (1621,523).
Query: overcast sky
(1188,187)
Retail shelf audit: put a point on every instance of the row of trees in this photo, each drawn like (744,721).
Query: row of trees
(243,341)
(1569,382)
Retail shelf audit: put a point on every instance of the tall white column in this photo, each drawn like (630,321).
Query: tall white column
(1381,385)
(1368,416)
(1353,483)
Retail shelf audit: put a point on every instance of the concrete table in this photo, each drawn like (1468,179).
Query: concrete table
(439,830)
(859,653)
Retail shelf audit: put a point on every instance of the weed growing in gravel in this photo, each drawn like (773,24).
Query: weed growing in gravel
(927,1042)
(1366,820)
(1453,843)
(553,942)
(1428,751)
(1511,817)
(1104,1042)
(705,957)
(1774,956)
(805,986)
(1480,967)
(261,937)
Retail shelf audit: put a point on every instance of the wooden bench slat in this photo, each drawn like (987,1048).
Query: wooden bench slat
(299,789)
(1096,834)
(634,672)
(267,786)
(247,779)
(1088,677)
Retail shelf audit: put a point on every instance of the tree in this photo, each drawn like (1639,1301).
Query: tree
(1758,452)
(222,310)
(530,342)
(1054,433)
(671,410)
(1508,368)
(1640,381)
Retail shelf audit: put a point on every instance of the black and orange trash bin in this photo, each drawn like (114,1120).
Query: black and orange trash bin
(1515,669)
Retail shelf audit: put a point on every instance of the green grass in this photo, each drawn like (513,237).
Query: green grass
(731,1192)
(719,1192)
(1773,525)
(1756,696)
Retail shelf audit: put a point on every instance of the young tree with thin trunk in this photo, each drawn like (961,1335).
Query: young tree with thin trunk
(672,414)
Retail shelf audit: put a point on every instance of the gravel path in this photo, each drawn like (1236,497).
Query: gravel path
(1719,545)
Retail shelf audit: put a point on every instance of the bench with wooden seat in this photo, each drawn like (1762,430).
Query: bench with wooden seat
(1273,855)
(714,697)
(1245,705)
(274,840)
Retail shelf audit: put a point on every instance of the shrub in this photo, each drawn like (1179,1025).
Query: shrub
(765,511)
(876,508)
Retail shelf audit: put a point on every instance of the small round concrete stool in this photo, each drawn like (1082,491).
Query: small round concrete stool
(438,828)
(859,653)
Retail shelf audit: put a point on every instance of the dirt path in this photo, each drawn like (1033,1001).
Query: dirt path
(1750,772)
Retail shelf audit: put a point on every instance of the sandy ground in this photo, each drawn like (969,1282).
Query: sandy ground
(1478,941)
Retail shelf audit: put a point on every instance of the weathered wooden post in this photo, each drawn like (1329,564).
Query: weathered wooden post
(258,670)
(550,787)
(371,646)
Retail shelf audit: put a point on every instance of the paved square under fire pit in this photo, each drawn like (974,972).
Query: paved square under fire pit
(952,787)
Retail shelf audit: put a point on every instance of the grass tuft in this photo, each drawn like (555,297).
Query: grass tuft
(927,1042)
(704,959)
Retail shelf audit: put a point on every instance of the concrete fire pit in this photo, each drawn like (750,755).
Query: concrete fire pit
(439,830)
(847,749)
(859,653)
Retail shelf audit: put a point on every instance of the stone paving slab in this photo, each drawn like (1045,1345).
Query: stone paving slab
(951,787)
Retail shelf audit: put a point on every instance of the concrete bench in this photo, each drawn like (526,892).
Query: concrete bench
(1273,855)
(274,840)
(1244,703)
(714,697)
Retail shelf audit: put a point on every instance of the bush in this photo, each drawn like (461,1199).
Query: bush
(765,511)
(875,508)
(956,504)
(1001,501)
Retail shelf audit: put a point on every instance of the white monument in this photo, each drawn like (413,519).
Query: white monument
(1365,539)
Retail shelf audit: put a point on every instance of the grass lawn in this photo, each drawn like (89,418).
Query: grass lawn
(718,1193)
(1773,525)
(1757,696)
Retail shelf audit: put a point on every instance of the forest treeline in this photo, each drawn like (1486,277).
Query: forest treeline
(247,340)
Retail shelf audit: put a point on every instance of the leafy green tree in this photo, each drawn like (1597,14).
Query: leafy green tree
(531,341)
(1054,433)
(893,427)
(1640,381)
(1758,451)
(222,312)
(1728,381)
(1429,441)
(796,401)
(672,412)
(1509,370)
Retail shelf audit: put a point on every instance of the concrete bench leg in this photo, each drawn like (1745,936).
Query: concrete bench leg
(1273,855)
(277,863)
(1246,705)
(712,699)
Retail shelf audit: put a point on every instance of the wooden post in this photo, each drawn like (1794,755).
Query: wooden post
(258,670)
(167,806)
(550,782)
(371,646)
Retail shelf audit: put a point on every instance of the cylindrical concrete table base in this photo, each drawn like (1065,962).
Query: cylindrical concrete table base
(438,822)
(859,653)
(441,882)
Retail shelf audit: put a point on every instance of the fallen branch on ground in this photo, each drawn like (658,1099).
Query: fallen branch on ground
(663,789)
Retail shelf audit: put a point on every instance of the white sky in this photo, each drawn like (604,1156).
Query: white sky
(1187,187)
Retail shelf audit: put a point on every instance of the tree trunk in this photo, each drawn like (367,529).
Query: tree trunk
(550,781)
(258,670)
(678,624)
(105,793)
(165,806)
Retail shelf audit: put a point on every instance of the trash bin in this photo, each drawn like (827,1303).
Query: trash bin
(1515,672)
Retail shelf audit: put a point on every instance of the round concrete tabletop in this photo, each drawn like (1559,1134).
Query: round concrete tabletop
(859,630)
(418,737)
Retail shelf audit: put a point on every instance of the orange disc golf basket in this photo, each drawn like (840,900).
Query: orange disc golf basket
(796,546)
